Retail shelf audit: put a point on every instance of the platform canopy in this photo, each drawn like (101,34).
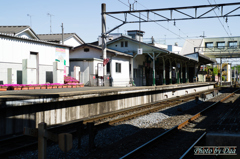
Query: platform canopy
(148,49)
(200,58)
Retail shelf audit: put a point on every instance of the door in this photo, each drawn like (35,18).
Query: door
(33,59)
(49,77)
(19,77)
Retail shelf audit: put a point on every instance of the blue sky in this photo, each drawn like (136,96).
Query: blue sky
(84,18)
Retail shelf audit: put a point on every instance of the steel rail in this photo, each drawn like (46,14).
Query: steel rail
(191,147)
(140,149)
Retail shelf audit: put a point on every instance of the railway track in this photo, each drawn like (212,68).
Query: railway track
(16,143)
(172,140)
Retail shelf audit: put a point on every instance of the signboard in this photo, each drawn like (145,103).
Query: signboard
(60,56)
(140,51)
(100,69)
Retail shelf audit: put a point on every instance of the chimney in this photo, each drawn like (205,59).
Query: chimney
(136,34)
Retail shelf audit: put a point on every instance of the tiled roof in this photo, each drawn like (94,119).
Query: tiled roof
(12,29)
(57,37)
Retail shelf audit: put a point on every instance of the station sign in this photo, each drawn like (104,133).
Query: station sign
(140,51)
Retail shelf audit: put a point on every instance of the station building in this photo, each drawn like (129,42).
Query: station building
(89,58)
(136,62)
(25,59)
(155,65)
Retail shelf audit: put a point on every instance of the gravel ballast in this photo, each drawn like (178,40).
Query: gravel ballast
(106,137)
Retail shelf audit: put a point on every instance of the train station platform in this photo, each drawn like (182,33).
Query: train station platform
(101,91)
(27,108)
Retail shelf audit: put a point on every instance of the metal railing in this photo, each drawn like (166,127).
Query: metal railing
(221,49)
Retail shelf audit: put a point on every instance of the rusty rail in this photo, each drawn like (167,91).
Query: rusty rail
(141,148)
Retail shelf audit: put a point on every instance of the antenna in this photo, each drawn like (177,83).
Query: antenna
(30,20)
(203,36)
(50,22)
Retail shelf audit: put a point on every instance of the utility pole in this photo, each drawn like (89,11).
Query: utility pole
(62,34)
(104,43)
(30,20)
(50,22)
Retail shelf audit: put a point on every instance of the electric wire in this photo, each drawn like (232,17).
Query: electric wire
(223,21)
(168,21)
(160,24)
(220,21)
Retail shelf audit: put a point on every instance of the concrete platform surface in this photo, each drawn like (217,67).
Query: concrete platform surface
(92,90)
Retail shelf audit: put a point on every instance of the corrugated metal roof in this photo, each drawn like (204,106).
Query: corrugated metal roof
(33,40)
(57,37)
(100,48)
(12,29)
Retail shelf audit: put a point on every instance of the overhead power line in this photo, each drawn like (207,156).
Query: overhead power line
(162,25)
(220,20)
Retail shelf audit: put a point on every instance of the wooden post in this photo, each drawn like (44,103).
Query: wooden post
(42,141)
(196,99)
(80,133)
(90,127)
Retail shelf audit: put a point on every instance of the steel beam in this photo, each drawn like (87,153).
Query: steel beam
(178,8)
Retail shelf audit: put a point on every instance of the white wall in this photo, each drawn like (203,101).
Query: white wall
(120,78)
(26,34)
(174,49)
(79,53)
(72,42)
(229,73)
(12,51)
(189,45)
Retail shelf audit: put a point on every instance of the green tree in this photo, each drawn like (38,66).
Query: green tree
(215,71)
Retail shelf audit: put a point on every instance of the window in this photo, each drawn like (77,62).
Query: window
(209,45)
(122,44)
(220,45)
(118,67)
(86,49)
(232,44)
(126,44)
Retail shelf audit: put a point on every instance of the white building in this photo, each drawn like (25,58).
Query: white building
(26,60)
(70,39)
(20,31)
(88,56)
